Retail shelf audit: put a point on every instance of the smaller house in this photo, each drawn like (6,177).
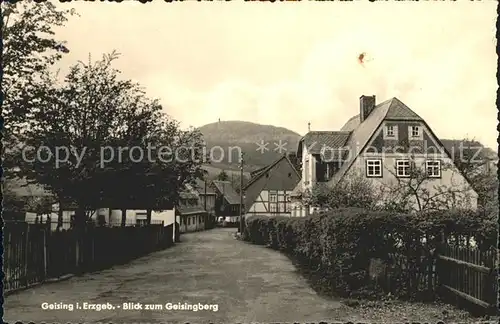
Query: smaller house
(269,190)
(191,215)
(207,196)
(227,201)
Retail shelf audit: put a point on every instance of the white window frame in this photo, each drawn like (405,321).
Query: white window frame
(403,164)
(418,136)
(394,135)
(373,163)
(427,167)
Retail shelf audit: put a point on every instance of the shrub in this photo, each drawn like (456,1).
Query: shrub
(366,253)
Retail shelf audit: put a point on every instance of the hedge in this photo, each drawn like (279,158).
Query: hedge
(369,254)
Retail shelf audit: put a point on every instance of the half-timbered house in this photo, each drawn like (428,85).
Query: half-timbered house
(268,191)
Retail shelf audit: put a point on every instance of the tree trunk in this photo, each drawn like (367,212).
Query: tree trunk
(80,218)
(148,216)
(80,223)
(124,217)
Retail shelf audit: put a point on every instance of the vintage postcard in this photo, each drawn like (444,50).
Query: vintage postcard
(249,161)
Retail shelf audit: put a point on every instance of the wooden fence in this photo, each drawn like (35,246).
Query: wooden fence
(468,277)
(34,253)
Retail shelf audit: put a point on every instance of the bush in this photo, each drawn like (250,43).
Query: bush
(364,253)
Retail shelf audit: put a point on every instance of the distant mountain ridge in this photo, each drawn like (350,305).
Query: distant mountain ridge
(236,131)
(230,137)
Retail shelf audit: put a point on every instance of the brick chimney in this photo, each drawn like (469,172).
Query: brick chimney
(366,105)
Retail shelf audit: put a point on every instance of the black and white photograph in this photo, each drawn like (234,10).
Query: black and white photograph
(249,162)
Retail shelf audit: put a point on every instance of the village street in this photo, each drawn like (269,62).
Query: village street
(248,283)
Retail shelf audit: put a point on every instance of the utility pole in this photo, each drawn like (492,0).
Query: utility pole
(241,194)
(207,215)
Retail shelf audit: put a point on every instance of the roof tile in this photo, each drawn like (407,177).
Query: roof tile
(316,141)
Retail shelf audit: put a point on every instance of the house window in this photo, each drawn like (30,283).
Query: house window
(273,197)
(274,208)
(403,168)
(433,168)
(415,132)
(189,220)
(373,168)
(391,132)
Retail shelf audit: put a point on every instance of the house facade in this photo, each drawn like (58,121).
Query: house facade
(111,217)
(207,196)
(268,193)
(387,143)
(227,201)
(191,215)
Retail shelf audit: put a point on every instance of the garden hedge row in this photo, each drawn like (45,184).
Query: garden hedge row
(361,253)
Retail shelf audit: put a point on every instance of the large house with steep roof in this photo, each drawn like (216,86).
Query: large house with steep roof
(268,191)
(382,143)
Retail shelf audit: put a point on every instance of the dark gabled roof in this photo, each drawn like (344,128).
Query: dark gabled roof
(200,187)
(363,132)
(257,172)
(395,111)
(22,188)
(392,109)
(317,140)
(252,190)
(225,188)
(399,111)
(187,195)
(267,169)
(183,210)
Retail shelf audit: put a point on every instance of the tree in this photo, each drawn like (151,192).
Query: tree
(295,161)
(95,122)
(474,161)
(236,181)
(351,191)
(222,176)
(29,51)
(419,192)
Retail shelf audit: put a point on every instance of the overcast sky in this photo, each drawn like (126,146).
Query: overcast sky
(288,64)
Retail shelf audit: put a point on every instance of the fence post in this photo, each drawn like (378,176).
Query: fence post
(489,285)
(44,231)
(26,246)
(439,265)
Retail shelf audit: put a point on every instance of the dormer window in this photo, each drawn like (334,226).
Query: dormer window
(415,132)
(391,132)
